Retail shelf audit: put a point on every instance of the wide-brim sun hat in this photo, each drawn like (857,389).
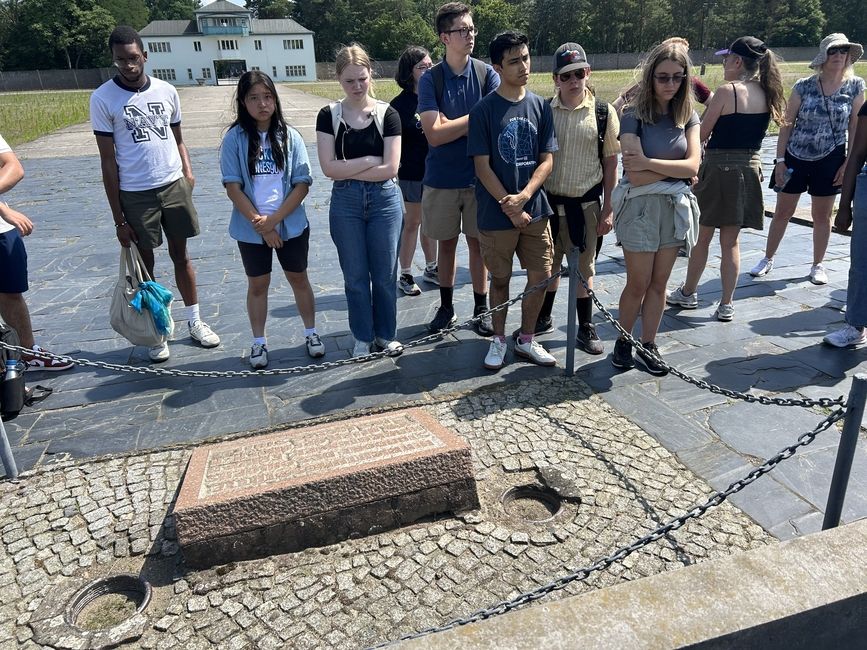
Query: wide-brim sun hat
(856,50)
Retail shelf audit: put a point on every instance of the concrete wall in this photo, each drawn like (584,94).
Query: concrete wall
(54,79)
(806,593)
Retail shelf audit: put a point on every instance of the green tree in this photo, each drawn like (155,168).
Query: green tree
(127,12)
(172,9)
(794,22)
(847,16)
(494,16)
(335,22)
(270,8)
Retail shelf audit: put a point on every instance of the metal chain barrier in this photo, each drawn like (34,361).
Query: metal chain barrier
(239,374)
(625,551)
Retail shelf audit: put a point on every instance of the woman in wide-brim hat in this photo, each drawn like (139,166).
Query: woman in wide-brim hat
(813,145)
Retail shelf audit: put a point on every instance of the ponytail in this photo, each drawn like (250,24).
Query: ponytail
(771,81)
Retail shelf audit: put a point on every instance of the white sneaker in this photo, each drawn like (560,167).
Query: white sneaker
(496,356)
(258,356)
(535,353)
(315,346)
(725,312)
(765,266)
(678,297)
(847,337)
(360,349)
(159,353)
(391,348)
(818,275)
(203,334)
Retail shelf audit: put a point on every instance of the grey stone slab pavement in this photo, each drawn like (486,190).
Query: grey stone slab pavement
(772,346)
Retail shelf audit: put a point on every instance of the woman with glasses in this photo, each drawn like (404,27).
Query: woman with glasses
(811,148)
(729,188)
(358,142)
(655,213)
(414,61)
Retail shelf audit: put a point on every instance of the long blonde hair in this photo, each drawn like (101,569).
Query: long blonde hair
(353,54)
(644,102)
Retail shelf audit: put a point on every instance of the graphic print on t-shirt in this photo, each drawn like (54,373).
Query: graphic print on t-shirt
(265,162)
(518,142)
(142,124)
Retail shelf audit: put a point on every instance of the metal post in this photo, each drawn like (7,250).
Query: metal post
(6,454)
(846,451)
(571,325)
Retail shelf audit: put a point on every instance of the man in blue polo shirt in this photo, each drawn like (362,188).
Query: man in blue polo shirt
(445,96)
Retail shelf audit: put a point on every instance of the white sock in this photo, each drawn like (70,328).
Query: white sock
(406,271)
(193,313)
(430,266)
(258,340)
(309,331)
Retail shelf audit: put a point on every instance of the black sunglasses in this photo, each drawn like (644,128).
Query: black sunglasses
(838,50)
(580,73)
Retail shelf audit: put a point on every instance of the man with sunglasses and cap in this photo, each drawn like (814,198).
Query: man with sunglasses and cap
(579,188)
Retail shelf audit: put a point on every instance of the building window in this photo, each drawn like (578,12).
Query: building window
(255,67)
(159,46)
(166,74)
(190,73)
(257,44)
(197,46)
(274,71)
(229,44)
(296,71)
(206,73)
(293,44)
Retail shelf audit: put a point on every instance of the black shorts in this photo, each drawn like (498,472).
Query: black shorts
(13,263)
(816,177)
(257,258)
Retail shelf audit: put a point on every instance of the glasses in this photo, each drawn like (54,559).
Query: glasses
(463,31)
(424,66)
(666,79)
(838,50)
(579,74)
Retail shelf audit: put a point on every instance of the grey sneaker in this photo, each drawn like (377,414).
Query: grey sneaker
(315,346)
(765,266)
(431,275)
(407,285)
(258,356)
(391,348)
(678,297)
(725,312)
(484,326)
(360,349)
(496,356)
(159,353)
(588,339)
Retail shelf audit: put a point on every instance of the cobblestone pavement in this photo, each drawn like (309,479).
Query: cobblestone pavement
(772,347)
(93,518)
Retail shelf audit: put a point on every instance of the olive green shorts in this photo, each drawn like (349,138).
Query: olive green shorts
(168,208)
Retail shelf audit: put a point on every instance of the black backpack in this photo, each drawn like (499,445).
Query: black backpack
(12,393)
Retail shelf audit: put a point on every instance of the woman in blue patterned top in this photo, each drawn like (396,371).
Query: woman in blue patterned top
(812,147)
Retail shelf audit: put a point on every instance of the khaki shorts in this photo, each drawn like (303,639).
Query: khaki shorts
(532,244)
(448,212)
(169,208)
(646,224)
(563,244)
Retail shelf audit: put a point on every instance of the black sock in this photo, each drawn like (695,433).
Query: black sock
(480,299)
(547,305)
(585,310)
(446,294)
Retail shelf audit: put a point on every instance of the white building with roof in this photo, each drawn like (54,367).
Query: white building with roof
(223,42)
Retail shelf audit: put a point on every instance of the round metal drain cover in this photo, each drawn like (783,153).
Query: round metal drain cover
(107,602)
(532,503)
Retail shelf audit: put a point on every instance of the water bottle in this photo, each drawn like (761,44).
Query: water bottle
(12,395)
(786,177)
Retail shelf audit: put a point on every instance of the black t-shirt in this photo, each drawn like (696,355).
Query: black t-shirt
(413,143)
(352,143)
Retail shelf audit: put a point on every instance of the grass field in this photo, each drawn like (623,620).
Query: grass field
(27,116)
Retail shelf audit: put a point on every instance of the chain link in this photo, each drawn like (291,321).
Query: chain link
(625,551)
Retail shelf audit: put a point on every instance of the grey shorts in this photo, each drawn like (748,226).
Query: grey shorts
(168,208)
(646,224)
(412,191)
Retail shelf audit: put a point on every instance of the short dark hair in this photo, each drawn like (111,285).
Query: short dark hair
(409,58)
(447,14)
(503,42)
(124,35)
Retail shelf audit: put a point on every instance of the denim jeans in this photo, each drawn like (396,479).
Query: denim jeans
(856,294)
(366,219)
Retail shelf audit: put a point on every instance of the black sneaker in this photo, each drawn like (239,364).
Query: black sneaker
(445,317)
(543,326)
(652,365)
(622,355)
(588,339)
(485,326)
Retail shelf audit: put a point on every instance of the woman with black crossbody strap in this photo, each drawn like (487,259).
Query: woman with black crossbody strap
(812,147)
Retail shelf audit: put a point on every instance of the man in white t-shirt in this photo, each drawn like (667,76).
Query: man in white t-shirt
(146,170)
(13,264)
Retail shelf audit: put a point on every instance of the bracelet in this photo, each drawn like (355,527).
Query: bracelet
(777,161)
(120,225)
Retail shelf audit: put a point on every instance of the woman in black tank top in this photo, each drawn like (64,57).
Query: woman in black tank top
(729,188)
